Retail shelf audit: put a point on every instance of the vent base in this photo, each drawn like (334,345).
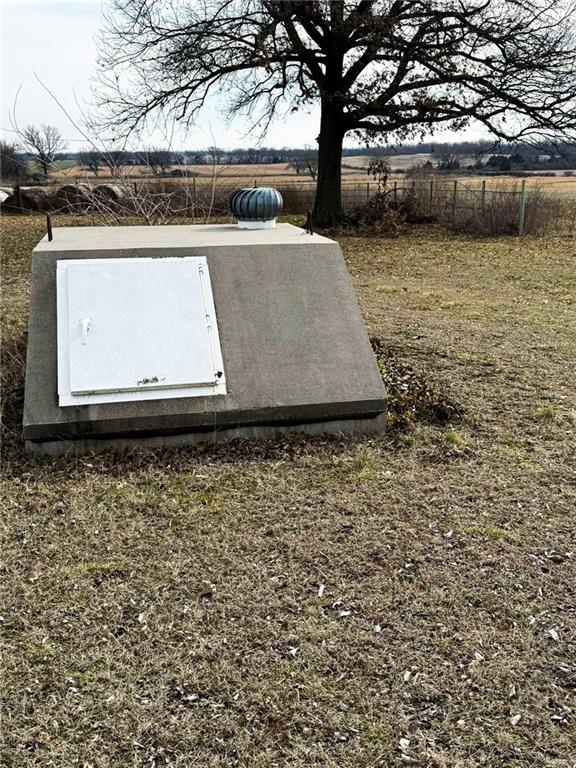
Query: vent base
(269,224)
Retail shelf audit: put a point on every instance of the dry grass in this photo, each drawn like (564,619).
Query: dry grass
(407,600)
(353,170)
(397,162)
(557,184)
(243,174)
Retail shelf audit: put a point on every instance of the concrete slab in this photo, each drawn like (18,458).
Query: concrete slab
(294,344)
(173,236)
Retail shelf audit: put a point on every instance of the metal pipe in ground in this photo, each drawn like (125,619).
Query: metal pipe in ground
(522,211)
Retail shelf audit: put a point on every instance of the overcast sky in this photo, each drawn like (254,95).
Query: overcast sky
(56,42)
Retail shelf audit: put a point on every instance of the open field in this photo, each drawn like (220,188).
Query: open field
(226,173)
(351,167)
(397,162)
(354,178)
(404,600)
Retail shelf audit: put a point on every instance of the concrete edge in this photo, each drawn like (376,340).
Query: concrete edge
(183,421)
(360,426)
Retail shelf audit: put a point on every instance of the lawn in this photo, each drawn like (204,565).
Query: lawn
(404,600)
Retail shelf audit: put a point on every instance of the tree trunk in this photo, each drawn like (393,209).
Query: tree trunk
(328,209)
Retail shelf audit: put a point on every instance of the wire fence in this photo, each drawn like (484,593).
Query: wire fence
(480,207)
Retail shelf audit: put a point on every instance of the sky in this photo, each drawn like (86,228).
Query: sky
(51,46)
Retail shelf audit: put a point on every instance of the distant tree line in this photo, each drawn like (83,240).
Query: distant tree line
(44,146)
(561,155)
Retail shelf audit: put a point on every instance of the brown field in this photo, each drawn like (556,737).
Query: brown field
(403,600)
(563,185)
(248,174)
(397,162)
(282,175)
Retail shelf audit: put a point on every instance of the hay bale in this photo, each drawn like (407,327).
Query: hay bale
(72,198)
(26,200)
(109,193)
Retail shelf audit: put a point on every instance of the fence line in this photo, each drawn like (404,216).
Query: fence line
(465,206)
(453,202)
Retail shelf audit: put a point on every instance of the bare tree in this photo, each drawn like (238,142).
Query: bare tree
(306,162)
(44,142)
(157,160)
(449,161)
(215,155)
(381,68)
(115,160)
(11,165)
(479,152)
(91,160)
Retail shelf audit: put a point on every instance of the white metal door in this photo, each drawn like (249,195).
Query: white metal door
(136,325)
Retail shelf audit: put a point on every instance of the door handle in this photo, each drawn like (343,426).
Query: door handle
(85,324)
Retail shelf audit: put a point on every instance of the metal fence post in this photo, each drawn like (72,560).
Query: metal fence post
(395,191)
(454,197)
(483,195)
(367,191)
(522,211)
(431,197)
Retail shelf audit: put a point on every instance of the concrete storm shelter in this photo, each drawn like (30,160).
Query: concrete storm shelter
(157,336)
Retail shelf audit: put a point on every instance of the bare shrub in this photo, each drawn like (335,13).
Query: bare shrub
(543,212)
(566,218)
(375,218)
(414,204)
(152,203)
(466,208)
(378,215)
(498,212)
